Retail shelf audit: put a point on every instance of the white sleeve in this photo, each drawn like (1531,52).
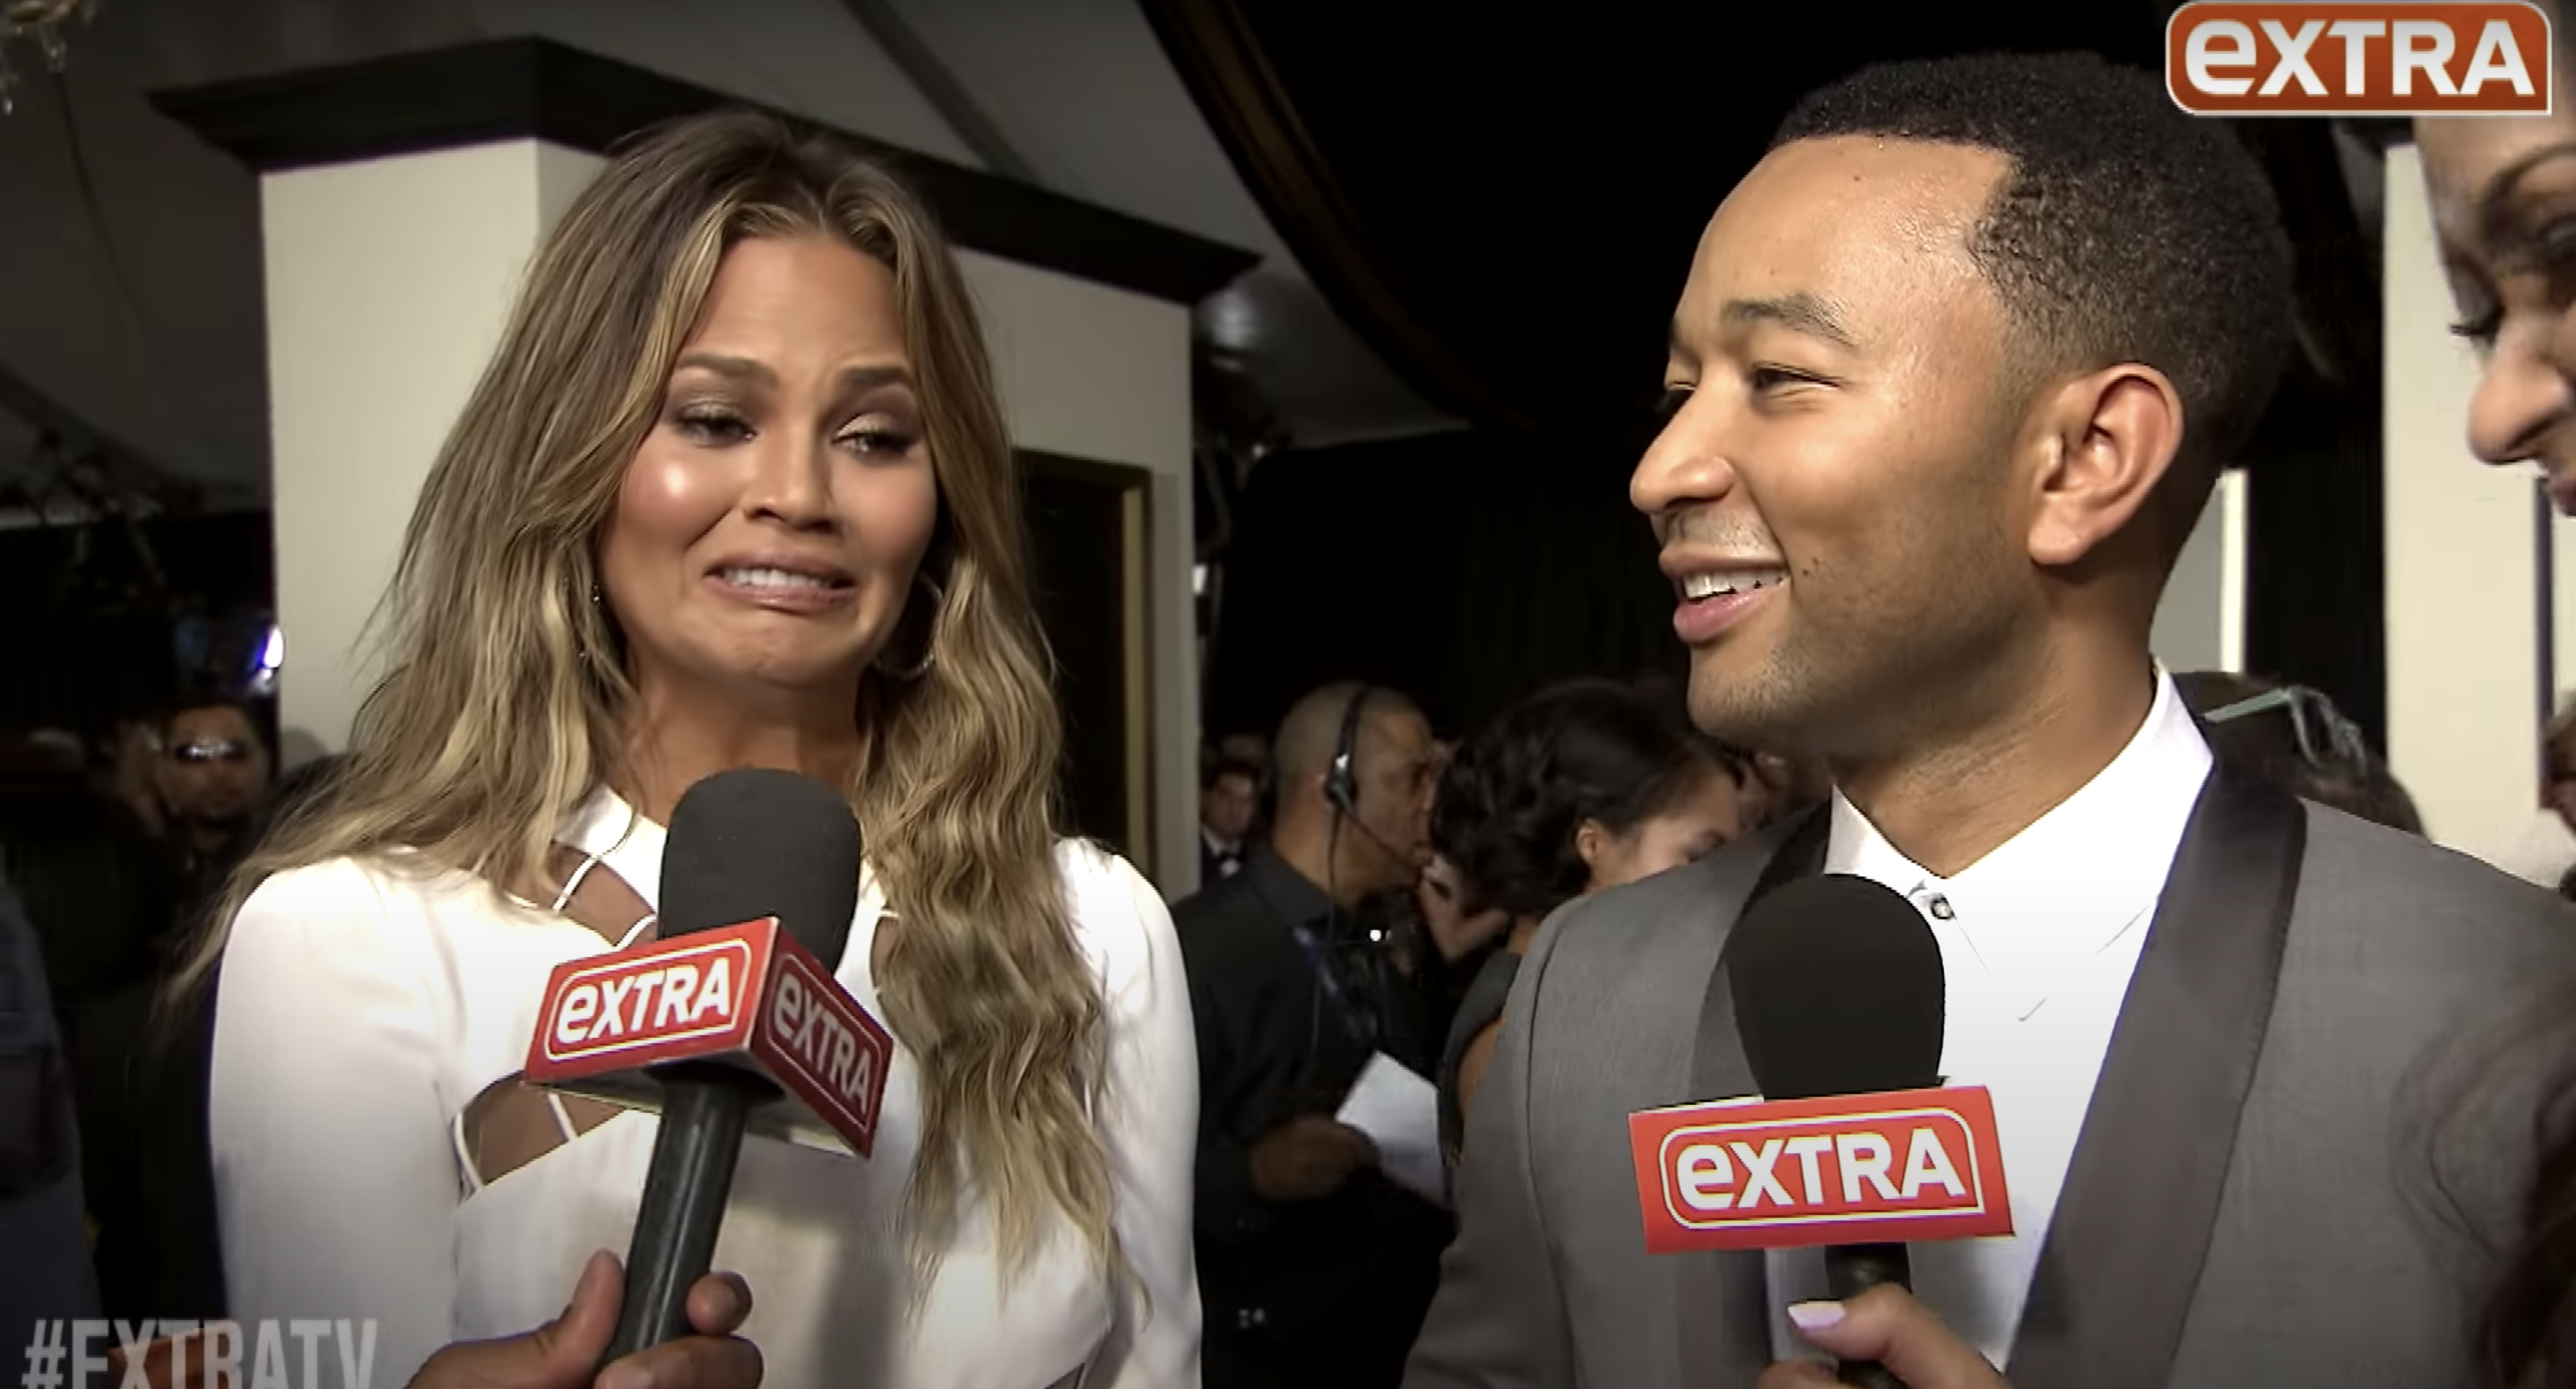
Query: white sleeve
(1149,1125)
(336,1184)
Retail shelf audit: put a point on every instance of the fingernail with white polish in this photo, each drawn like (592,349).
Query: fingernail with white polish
(1814,1316)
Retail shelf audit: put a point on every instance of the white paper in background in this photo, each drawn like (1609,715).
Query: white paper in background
(1400,1112)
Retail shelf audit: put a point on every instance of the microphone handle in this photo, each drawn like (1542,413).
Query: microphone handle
(1853,1269)
(685,1190)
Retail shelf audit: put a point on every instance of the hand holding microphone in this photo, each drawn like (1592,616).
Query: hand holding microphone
(565,1353)
(562,1354)
(1886,1327)
(1839,990)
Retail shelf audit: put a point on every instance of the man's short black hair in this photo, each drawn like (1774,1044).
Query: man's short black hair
(1224,767)
(2126,231)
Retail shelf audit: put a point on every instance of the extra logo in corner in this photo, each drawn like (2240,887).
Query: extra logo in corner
(2389,58)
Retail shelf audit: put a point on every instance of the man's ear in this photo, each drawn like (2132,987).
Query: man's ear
(2110,437)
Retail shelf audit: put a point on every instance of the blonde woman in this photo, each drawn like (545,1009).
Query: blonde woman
(735,490)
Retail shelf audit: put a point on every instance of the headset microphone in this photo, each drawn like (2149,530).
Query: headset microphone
(1342,779)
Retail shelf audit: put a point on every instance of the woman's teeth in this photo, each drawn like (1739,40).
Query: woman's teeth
(774,578)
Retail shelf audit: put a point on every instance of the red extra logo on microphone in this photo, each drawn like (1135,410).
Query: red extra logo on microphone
(1887,1168)
(663,1002)
(747,995)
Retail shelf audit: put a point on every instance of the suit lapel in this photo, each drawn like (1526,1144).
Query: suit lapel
(1725,1300)
(2133,1224)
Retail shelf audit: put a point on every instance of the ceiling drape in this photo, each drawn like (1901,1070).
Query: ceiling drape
(1219,57)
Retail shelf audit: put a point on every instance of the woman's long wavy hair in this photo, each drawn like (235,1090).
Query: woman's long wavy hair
(2503,1087)
(504,705)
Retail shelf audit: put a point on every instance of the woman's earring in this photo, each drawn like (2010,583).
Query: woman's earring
(929,653)
(603,653)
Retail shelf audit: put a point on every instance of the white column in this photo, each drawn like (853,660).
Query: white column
(2200,625)
(2463,613)
(1092,372)
(388,281)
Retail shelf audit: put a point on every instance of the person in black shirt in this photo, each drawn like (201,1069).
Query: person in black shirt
(88,877)
(161,1253)
(143,1082)
(214,777)
(98,904)
(1314,1269)
(1229,801)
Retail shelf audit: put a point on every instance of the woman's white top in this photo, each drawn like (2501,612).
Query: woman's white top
(362,1008)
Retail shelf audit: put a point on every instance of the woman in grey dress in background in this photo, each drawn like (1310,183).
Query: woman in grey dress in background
(1581,787)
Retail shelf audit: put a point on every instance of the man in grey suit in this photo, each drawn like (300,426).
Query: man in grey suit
(1953,375)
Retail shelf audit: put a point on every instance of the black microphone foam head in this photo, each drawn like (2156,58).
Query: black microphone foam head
(1838,990)
(752,843)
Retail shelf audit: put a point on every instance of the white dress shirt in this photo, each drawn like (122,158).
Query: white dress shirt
(2038,941)
(362,1007)
(1228,853)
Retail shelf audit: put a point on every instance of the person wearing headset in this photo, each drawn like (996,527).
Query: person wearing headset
(1314,1268)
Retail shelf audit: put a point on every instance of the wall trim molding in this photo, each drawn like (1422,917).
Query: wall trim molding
(534,88)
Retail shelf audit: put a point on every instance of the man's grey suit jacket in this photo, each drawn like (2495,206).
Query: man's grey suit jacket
(2248,1203)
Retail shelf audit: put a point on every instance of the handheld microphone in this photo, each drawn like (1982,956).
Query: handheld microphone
(1854,1144)
(1839,991)
(731,1022)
